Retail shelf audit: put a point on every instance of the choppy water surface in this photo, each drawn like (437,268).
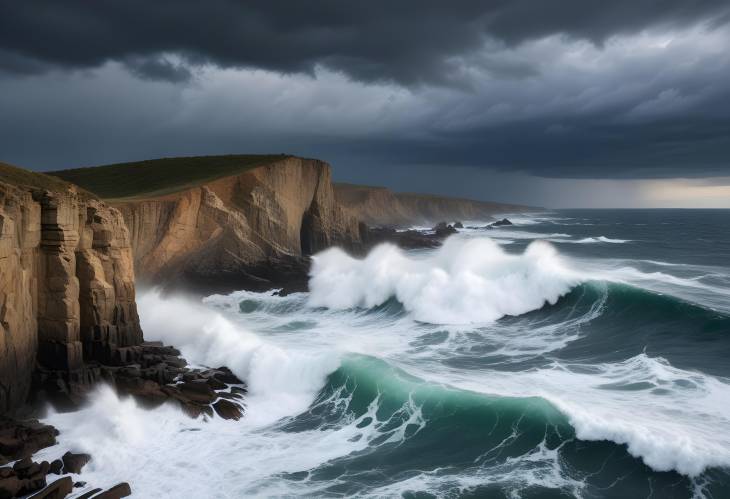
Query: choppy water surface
(574,354)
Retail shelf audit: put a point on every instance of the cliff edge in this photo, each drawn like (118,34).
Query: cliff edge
(67,293)
(225,222)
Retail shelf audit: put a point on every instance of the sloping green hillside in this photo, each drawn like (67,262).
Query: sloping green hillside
(19,176)
(156,177)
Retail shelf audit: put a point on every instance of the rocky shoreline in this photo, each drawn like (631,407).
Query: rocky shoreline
(151,373)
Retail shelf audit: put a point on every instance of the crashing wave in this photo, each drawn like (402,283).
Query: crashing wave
(464,281)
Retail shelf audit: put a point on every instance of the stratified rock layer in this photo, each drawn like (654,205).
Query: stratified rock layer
(379,206)
(239,229)
(66,286)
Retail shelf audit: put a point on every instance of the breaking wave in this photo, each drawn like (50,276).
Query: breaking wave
(467,280)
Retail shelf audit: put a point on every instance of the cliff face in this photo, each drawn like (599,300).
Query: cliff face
(66,285)
(227,229)
(378,206)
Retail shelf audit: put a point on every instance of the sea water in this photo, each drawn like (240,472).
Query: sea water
(572,354)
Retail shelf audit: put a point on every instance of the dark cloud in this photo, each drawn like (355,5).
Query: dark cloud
(158,68)
(626,89)
(408,42)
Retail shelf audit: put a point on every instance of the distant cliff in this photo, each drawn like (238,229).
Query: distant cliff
(379,206)
(67,291)
(236,221)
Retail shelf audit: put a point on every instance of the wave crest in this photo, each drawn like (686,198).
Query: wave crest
(467,280)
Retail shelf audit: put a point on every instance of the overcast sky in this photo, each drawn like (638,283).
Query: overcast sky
(565,103)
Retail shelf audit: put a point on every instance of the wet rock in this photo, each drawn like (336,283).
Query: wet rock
(225,375)
(57,490)
(117,492)
(73,463)
(458,225)
(56,467)
(215,384)
(20,439)
(10,487)
(197,391)
(24,467)
(78,485)
(442,229)
(228,410)
(239,390)
(502,222)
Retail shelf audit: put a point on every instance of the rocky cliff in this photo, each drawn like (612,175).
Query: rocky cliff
(247,229)
(379,206)
(67,293)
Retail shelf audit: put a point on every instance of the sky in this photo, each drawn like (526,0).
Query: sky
(569,103)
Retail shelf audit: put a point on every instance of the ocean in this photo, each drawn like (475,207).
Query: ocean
(576,353)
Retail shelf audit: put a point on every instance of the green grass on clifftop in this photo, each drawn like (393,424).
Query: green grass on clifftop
(21,177)
(157,177)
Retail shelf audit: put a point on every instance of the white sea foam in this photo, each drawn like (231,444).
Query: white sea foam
(670,418)
(591,240)
(464,281)
(281,382)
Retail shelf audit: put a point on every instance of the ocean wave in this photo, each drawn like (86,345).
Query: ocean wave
(464,281)
(281,381)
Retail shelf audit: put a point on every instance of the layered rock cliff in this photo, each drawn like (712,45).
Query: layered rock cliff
(239,230)
(67,293)
(379,206)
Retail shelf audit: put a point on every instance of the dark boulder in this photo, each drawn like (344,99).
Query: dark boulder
(197,391)
(228,410)
(73,463)
(117,492)
(502,222)
(56,467)
(458,225)
(20,439)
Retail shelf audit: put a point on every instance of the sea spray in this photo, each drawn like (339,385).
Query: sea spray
(280,382)
(467,280)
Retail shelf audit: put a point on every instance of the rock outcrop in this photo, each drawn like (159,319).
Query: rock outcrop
(379,206)
(67,293)
(247,230)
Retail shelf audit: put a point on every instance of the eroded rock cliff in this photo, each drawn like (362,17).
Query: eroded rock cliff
(67,293)
(240,230)
(379,206)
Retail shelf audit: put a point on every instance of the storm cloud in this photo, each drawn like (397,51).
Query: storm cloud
(569,89)
(408,42)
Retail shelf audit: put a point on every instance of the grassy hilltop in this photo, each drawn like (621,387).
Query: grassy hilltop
(157,177)
(20,176)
